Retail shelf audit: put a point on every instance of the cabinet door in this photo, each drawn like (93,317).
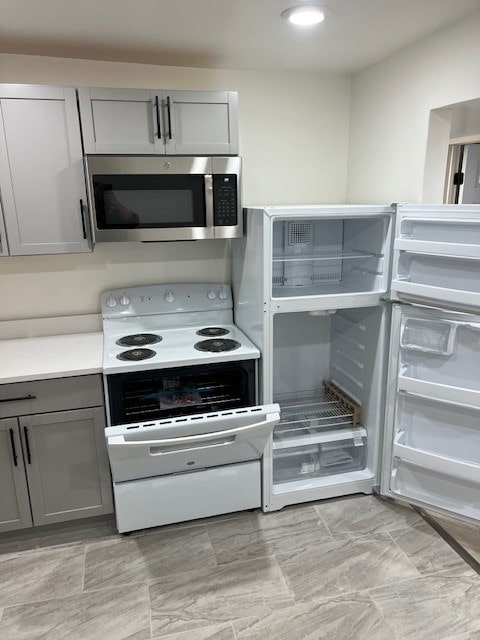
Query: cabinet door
(3,234)
(122,121)
(67,466)
(200,122)
(41,170)
(14,501)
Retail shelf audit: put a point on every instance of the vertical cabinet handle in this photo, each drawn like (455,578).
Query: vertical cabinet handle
(14,451)
(83,220)
(27,445)
(157,111)
(169,119)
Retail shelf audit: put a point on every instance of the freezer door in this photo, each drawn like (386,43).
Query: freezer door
(436,256)
(189,443)
(432,428)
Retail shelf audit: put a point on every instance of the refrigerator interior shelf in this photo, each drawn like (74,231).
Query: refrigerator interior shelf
(313,436)
(326,255)
(318,409)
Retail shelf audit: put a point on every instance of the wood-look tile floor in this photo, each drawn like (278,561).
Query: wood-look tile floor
(356,568)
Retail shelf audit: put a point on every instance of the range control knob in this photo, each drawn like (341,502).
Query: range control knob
(211,295)
(169,296)
(223,295)
(111,302)
(124,301)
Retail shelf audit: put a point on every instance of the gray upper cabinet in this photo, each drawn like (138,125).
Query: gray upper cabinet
(14,501)
(41,170)
(136,121)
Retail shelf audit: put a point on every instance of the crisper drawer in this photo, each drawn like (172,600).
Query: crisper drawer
(42,396)
(328,455)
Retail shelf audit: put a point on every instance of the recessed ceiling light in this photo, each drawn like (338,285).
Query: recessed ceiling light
(304,14)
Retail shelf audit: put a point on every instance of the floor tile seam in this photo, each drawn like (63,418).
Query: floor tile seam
(380,612)
(404,554)
(235,636)
(285,582)
(84,568)
(156,580)
(322,520)
(212,547)
(118,586)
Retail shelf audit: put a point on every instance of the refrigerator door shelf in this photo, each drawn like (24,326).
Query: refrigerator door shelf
(432,437)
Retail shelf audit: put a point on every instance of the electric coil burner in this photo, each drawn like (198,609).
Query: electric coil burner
(217,346)
(213,331)
(133,355)
(138,340)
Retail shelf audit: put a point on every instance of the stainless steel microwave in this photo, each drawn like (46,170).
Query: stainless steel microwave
(152,198)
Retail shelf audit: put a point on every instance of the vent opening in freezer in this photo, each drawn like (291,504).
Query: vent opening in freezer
(331,256)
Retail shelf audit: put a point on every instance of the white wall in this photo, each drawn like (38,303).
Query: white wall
(293,139)
(391,103)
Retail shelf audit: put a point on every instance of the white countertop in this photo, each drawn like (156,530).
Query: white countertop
(58,356)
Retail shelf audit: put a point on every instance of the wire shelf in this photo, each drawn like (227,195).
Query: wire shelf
(310,411)
(325,255)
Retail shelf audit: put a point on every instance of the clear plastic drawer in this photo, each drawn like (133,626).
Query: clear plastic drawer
(320,459)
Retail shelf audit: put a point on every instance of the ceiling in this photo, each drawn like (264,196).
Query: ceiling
(227,34)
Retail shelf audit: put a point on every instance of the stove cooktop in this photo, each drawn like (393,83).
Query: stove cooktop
(176,348)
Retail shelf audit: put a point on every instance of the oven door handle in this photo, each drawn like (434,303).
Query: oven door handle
(119,441)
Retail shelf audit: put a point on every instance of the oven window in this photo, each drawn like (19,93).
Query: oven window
(149,201)
(169,393)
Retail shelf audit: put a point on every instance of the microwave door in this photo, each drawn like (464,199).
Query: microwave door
(149,208)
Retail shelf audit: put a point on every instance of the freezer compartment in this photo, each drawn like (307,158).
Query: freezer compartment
(440,278)
(335,453)
(315,257)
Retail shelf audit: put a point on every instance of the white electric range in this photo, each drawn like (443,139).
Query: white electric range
(185,435)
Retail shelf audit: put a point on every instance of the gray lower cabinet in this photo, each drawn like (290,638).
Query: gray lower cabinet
(14,500)
(42,180)
(158,122)
(53,466)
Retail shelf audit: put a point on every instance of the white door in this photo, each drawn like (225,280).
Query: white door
(432,425)
(436,257)
(470,191)
(189,443)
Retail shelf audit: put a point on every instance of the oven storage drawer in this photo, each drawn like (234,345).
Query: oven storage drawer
(189,443)
(152,502)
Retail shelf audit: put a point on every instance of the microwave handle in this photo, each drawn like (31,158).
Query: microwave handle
(209,200)
(119,441)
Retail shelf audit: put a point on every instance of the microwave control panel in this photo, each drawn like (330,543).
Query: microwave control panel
(225,202)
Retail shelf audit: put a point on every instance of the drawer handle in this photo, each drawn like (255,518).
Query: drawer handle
(14,451)
(157,110)
(27,445)
(19,399)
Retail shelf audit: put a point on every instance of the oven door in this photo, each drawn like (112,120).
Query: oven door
(189,443)
(180,391)
(148,199)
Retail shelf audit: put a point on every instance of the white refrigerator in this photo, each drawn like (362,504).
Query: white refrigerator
(368,322)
